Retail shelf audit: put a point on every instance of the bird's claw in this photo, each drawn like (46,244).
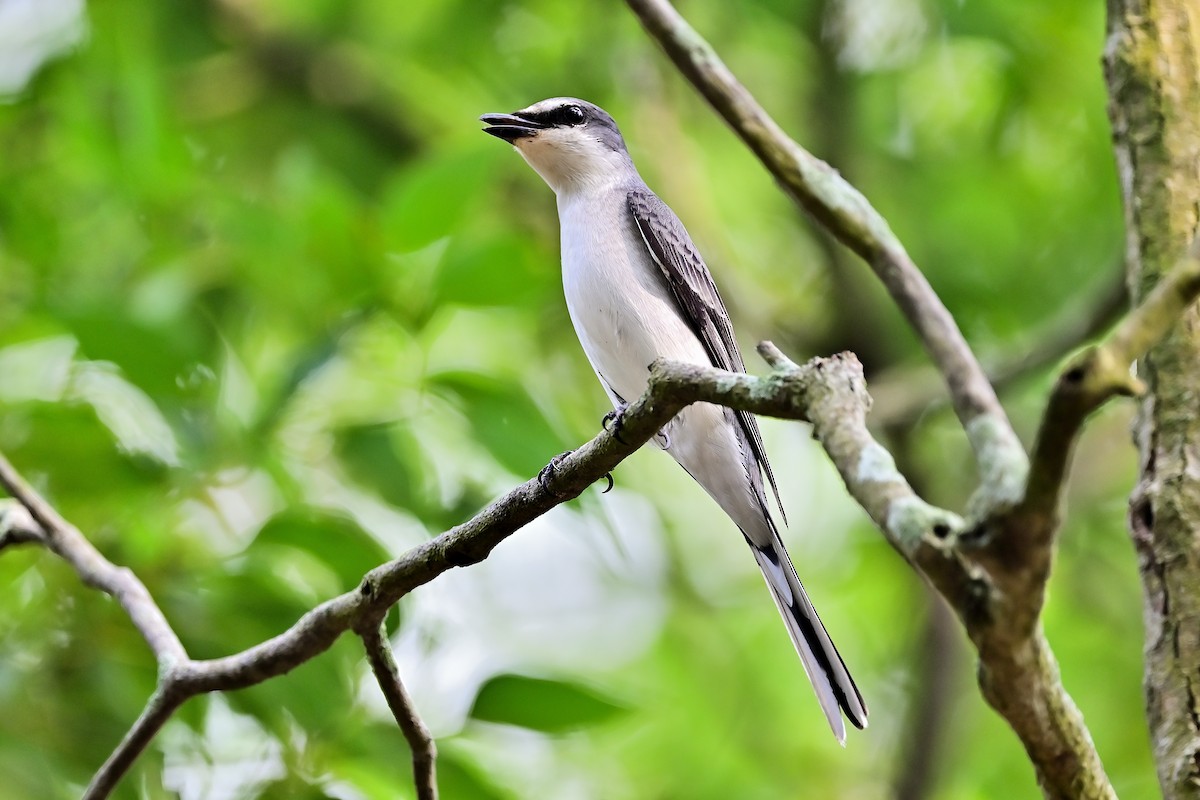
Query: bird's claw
(548,471)
(613,421)
(547,474)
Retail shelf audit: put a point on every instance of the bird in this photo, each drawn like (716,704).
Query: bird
(637,290)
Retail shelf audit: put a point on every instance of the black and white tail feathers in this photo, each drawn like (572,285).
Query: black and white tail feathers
(835,688)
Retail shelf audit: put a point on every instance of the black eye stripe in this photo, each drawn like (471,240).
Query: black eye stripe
(562,116)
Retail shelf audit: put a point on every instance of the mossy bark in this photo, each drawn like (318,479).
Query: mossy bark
(1152,63)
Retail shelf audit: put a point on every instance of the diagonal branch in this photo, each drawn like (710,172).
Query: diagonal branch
(1011,509)
(424,751)
(830,393)
(823,193)
(95,570)
(1018,673)
(167,698)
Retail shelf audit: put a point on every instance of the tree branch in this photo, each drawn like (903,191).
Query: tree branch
(841,208)
(424,751)
(827,392)
(997,581)
(95,570)
(162,704)
(1018,674)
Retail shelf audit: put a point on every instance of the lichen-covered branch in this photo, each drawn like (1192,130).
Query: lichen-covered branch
(1019,677)
(992,566)
(841,208)
(1001,561)
(831,394)
(827,392)
(424,751)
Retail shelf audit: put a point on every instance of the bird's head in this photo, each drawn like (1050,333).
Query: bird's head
(571,143)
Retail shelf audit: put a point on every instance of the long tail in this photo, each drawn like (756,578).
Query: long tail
(822,663)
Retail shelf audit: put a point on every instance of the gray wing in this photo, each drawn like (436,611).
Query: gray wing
(698,299)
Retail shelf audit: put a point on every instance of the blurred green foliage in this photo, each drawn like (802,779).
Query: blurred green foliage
(272,308)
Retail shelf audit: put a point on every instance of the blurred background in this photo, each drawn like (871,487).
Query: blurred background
(272,310)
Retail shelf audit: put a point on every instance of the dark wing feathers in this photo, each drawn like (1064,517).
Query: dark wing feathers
(694,290)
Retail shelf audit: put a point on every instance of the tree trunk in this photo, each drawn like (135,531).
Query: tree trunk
(1152,63)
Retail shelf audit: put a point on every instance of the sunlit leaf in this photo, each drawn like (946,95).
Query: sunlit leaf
(544,705)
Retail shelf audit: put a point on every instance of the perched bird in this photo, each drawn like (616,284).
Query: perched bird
(637,290)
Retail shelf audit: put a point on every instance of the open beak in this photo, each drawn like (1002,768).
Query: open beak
(510,127)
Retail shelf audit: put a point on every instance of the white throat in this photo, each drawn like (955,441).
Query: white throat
(571,164)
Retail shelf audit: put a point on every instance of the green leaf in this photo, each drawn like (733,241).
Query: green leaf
(154,358)
(543,705)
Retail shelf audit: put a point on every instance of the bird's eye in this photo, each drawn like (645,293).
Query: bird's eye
(573,115)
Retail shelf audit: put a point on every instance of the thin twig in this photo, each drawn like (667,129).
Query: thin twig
(841,208)
(162,704)
(827,392)
(424,751)
(97,571)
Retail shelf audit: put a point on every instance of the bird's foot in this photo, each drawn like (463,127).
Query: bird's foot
(614,420)
(547,474)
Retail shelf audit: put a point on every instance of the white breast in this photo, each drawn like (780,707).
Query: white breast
(618,300)
(626,317)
